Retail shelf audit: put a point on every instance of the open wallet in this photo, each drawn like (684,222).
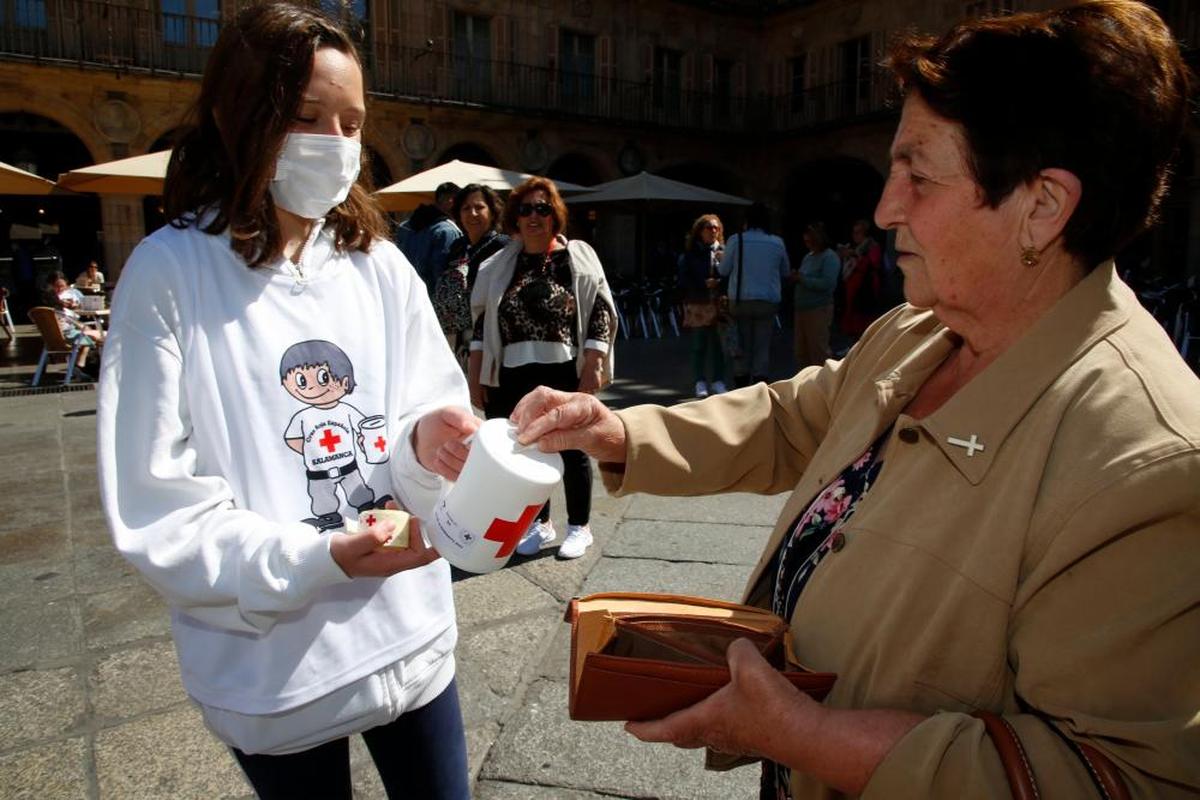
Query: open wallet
(643,656)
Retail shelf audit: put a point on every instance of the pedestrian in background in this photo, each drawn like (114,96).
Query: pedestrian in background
(756,263)
(812,297)
(241,333)
(426,236)
(699,280)
(477,210)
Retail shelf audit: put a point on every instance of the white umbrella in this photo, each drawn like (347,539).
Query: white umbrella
(409,193)
(17,181)
(645,186)
(136,175)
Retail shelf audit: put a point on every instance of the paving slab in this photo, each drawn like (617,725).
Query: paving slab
(720,581)
(36,633)
(737,508)
(43,542)
(54,771)
(100,568)
(482,599)
(169,755)
(136,681)
(124,615)
(35,581)
(497,790)
(38,705)
(543,747)
(688,541)
(561,578)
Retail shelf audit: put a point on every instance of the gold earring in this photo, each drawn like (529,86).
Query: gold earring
(1030,256)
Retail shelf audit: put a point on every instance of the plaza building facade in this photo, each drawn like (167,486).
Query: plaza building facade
(777,100)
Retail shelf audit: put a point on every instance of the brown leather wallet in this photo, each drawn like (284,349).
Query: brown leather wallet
(642,656)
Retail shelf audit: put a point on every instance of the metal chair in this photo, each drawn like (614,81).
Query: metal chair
(53,342)
(6,320)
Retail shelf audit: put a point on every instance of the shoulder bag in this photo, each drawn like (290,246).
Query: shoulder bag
(1019,772)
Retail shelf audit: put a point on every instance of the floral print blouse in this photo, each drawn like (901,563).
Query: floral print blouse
(812,537)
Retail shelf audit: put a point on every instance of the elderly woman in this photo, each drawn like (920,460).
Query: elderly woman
(476,209)
(994,504)
(543,317)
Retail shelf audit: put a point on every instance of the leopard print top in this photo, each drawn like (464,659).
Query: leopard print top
(539,305)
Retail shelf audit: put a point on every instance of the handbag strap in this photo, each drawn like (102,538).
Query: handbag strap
(741,261)
(1017,769)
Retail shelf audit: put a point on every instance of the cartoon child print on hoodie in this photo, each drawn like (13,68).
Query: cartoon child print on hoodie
(328,432)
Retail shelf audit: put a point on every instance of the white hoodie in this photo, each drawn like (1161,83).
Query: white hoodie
(204,494)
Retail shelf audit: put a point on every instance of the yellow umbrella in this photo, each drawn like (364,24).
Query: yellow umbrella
(409,193)
(18,181)
(136,175)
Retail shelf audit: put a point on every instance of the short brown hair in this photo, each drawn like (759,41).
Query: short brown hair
(559,214)
(490,198)
(1099,89)
(254,82)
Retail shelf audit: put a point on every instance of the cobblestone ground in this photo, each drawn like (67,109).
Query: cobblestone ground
(91,705)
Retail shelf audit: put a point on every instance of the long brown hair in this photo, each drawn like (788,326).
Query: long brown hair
(254,84)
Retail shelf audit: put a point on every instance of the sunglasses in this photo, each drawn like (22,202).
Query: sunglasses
(712,227)
(542,209)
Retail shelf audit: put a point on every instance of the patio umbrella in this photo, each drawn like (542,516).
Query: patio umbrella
(416,189)
(643,191)
(648,187)
(136,175)
(18,181)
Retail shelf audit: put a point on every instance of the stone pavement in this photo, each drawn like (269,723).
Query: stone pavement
(91,704)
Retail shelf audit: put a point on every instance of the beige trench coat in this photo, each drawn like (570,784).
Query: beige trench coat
(1057,568)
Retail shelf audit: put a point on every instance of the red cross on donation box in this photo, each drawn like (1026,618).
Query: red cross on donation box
(509,533)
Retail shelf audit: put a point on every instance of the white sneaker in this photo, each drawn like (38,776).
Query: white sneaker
(539,533)
(701,389)
(579,538)
(718,387)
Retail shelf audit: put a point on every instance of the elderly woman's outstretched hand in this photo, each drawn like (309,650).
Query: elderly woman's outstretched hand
(570,421)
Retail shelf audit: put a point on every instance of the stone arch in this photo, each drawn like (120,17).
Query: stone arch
(53,232)
(469,151)
(706,174)
(72,120)
(576,167)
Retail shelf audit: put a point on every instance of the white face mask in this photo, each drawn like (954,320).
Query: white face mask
(314,173)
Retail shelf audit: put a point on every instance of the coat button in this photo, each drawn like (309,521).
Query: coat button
(838,542)
(909,435)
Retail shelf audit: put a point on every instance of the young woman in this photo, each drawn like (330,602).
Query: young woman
(275,368)
(698,278)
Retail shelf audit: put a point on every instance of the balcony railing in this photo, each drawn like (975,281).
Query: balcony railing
(104,34)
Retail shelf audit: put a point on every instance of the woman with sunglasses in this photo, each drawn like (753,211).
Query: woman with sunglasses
(698,278)
(543,317)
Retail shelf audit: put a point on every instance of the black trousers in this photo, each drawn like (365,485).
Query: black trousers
(420,755)
(515,383)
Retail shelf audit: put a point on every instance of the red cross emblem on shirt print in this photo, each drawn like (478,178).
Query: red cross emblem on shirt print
(508,533)
(329,440)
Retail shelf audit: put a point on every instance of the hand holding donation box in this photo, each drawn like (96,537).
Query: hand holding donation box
(503,485)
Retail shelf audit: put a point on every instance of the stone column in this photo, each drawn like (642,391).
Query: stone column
(124,227)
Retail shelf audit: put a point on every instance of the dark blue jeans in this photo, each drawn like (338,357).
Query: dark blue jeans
(422,754)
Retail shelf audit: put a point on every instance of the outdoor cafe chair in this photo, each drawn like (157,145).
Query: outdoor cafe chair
(53,342)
